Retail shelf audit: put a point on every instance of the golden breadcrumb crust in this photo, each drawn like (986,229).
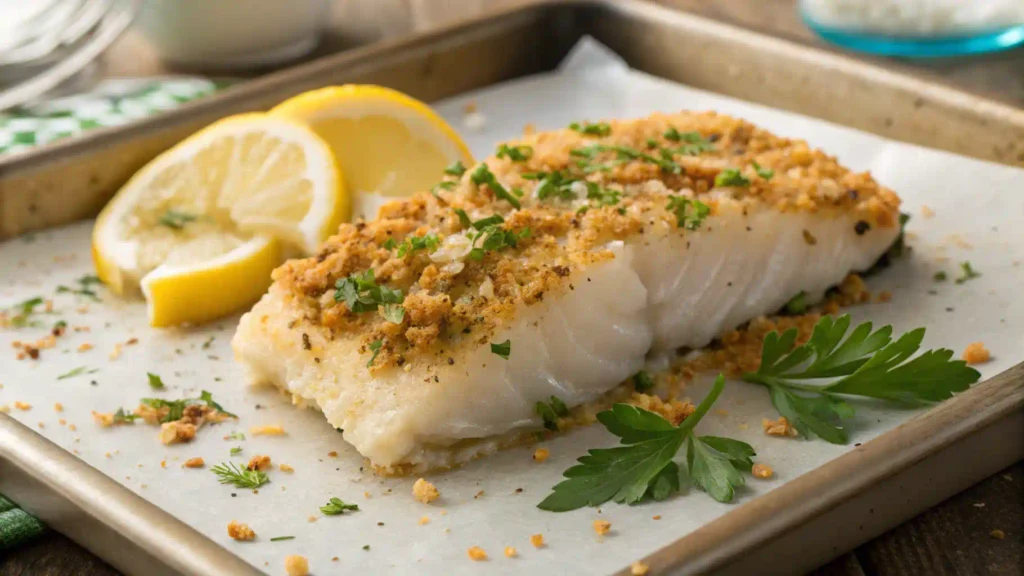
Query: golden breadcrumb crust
(451,299)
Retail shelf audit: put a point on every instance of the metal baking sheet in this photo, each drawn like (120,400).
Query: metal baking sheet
(145,537)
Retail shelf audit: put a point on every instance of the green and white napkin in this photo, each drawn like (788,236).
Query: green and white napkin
(110,103)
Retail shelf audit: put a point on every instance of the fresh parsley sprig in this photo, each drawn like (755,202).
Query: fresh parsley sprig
(601,129)
(176,408)
(731,177)
(21,314)
(864,363)
(230,473)
(550,412)
(645,467)
(520,153)
(623,154)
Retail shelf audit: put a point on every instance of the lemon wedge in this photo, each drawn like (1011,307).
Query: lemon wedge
(387,144)
(200,227)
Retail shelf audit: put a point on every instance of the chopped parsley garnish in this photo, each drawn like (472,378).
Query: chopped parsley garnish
(940,276)
(337,506)
(463,218)
(642,382)
(176,408)
(502,349)
(21,313)
(414,243)
(208,342)
(484,223)
(236,450)
(797,304)
(235,436)
(515,153)
(731,177)
(445,185)
(866,363)
(603,196)
(122,417)
(601,129)
(361,293)
(968,273)
(689,213)
(230,473)
(551,412)
(375,348)
(765,173)
(694,143)
(77,372)
(155,382)
(644,466)
(389,244)
(623,154)
(84,287)
(282,538)
(483,175)
(554,185)
(366,547)
(455,169)
(176,219)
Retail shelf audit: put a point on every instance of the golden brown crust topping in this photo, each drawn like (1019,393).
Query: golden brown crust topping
(459,279)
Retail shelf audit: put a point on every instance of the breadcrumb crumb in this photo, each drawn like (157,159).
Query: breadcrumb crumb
(425,491)
(541,454)
(197,462)
(240,532)
(176,432)
(23,406)
(780,427)
(477,554)
(537,540)
(638,568)
(424,520)
(286,468)
(267,431)
(762,471)
(602,527)
(976,353)
(259,462)
(510,552)
(296,565)
(58,407)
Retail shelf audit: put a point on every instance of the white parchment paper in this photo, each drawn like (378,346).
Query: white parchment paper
(978,216)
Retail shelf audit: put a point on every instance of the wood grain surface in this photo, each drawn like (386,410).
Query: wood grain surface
(953,538)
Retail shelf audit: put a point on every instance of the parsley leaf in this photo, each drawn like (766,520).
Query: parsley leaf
(731,177)
(968,273)
(361,293)
(122,417)
(642,382)
(515,153)
(414,243)
(644,467)
(463,218)
(797,304)
(601,129)
(864,363)
(20,315)
(623,154)
(282,538)
(337,506)
(551,412)
(483,175)
(236,450)
(176,408)
(230,473)
(503,349)
(555,185)
(84,287)
(375,348)
(175,219)
(940,276)
(155,382)
(603,196)
(455,169)
(686,217)
(765,173)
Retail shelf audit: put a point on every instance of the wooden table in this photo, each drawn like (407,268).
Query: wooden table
(954,537)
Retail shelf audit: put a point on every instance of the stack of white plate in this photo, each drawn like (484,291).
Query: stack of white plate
(45,42)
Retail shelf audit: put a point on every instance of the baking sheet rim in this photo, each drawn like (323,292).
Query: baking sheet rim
(165,537)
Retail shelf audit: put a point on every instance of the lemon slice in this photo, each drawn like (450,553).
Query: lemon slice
(387,144)
(200,227)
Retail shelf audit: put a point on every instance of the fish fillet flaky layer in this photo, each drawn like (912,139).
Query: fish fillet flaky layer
(593,287)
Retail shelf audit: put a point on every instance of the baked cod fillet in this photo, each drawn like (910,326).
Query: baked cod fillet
(553,269)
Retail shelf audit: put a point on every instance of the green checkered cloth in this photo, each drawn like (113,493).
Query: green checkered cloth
(16,525)
(110,103)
